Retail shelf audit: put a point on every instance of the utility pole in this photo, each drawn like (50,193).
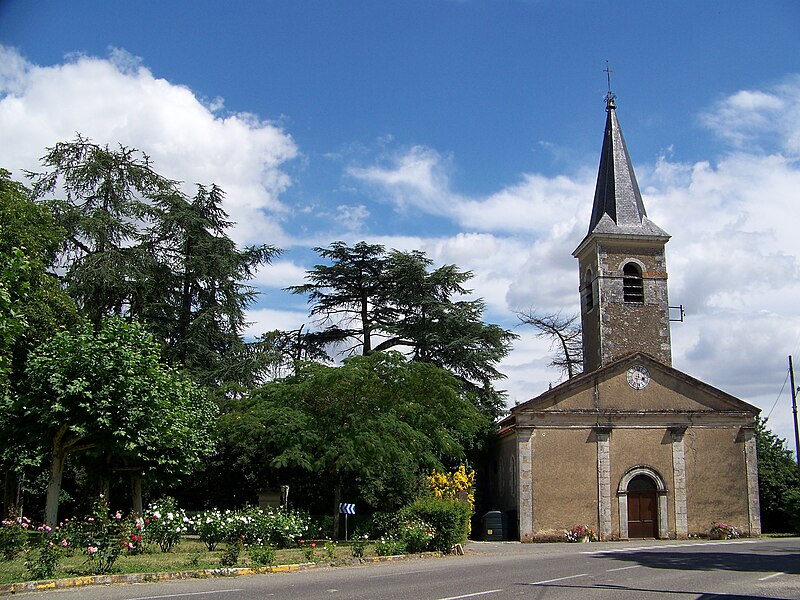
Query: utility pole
(794,414)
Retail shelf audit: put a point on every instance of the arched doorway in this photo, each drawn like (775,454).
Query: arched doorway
(642,507)
(642,497)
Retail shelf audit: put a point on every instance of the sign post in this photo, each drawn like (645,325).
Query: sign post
(346,509)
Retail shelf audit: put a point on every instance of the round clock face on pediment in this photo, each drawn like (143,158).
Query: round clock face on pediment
(638,377)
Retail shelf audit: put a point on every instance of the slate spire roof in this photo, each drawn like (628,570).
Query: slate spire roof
(618,206)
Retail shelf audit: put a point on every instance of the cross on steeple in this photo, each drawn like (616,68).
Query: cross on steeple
(610,96)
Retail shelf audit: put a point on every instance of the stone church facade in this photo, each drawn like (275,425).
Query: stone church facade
(632,447)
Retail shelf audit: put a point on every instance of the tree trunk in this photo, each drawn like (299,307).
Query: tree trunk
(136,494)
(57,461)
(337,499)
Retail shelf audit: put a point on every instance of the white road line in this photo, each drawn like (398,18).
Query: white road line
(187,594)
(623,568)
(471,595)
(557,579)
(400,574)
(770,576)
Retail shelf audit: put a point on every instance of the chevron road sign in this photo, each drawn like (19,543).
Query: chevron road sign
(347,509)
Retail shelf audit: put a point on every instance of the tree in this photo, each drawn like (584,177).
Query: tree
(564,334)
(32,305)
(137,247)
(778,482)
(377,301)
(344,295)
(374,425)
(107,392)
(198,301)
(109,196)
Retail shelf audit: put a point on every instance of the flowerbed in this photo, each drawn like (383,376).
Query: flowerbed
(723,531)
(581,533)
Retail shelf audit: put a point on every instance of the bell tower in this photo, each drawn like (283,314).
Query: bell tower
(622,264)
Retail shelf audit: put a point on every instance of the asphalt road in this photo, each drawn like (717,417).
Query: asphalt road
(759,569)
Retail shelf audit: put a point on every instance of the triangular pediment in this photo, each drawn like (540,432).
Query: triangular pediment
(656,389)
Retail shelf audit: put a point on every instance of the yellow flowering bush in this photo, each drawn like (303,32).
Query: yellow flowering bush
(458,485)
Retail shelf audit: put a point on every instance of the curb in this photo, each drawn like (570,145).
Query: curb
(87,580)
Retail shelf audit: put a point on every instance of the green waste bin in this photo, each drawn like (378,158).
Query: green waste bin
(493,526)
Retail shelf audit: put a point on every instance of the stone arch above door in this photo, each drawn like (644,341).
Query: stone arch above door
(661,493)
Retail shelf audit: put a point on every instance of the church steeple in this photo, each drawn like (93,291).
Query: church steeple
(618,206)
(623,286)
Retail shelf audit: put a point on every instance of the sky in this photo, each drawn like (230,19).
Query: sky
(468,129)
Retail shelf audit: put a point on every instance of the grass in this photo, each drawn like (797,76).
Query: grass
(188,555)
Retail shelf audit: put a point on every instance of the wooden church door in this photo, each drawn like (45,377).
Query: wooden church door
(642,508)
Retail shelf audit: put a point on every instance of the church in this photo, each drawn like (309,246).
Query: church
(632,447)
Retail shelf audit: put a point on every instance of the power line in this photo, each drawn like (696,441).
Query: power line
(783,387)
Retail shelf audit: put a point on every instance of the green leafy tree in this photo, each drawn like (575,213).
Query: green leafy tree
(14,267)
(344,295)
(137,247)
(778,482)
(106,392)
(32,305)
(110,195)
(372,300)
(198,299)
(375,425)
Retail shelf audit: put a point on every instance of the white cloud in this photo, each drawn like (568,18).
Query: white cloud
(279,274)
(351,217)
(760,119)
(116,100)
(417,178)
(263,320)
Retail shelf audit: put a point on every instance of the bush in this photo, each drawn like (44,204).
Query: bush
(13,536)
(449,519)
(230,555)
(102,536)
(389,547)
(44,563)
(385,525)
(165,523)
(277,527)
(416,534)
(262,555)
(210,527)
(357,545)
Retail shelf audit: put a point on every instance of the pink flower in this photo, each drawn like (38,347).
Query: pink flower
(91,550)
(118,516)
(64,543)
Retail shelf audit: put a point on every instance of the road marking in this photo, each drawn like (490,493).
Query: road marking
(669,547)
(623,568)
(187,594)
(557,579)
(770,576)
(471,595)
(400,574)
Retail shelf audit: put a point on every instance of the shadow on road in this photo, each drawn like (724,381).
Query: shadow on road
(651,592)
(763,561)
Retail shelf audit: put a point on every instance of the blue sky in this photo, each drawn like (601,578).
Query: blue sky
(467,129)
